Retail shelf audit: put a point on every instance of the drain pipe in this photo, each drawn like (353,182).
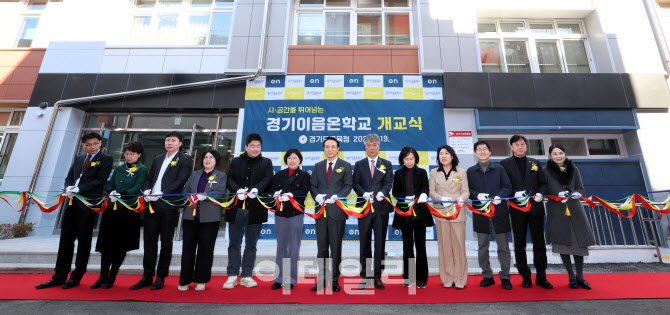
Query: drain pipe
(56,108)
(656,28)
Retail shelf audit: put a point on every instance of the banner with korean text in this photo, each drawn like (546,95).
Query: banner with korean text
(300,111)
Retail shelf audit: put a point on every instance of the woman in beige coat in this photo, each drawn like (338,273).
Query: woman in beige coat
(450,183)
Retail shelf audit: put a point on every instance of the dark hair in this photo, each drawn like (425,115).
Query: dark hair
(480,142)
(331,138)
(89,136)
(454,161)
(516,138)
(253,137)
(215,154)
(134,146)
(176,135)
(292,151)
(556,146)
(405,152)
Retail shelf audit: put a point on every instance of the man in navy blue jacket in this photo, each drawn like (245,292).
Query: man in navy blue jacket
(87,177)
(486,181)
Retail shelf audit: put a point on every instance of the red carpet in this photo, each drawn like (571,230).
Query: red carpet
(605,287)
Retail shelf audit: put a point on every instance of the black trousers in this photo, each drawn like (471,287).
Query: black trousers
(160,223)
(329,235)
(77,224)
(520,225)
(414,236)
(197,254)
(378,223)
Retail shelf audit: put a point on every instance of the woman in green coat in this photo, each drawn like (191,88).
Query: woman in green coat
(120,228)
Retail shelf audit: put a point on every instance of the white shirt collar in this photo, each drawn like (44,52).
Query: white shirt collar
(375,159)
(334,161)
(170,157)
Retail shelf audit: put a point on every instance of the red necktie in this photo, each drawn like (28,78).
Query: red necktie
(372,168)
(86,163)
(330,170)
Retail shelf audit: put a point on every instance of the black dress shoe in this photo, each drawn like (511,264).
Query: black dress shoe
(379,284)
(486,282)
(544,283)
(365,283)
(160,282)
(573,284)
(526,283)
(70,284)
(276,286)
(336,287)
(98,284)
(108,285)
(143,283)
(506,284)
(584,284)
(49,284)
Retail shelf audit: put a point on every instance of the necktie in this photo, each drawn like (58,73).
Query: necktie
(330,170)
(86,163)
(372,168)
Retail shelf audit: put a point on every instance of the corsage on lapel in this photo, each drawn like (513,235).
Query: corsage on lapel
(534,167)
(211,180)
(131,171)
(456,179)
(95,163)
(382,169)
(174,163)
(339,170)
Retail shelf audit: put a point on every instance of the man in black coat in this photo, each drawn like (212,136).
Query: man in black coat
(168,174)
(486,181)
(331,178)
(373,179)
(248,175)
(87,177)
(527,178)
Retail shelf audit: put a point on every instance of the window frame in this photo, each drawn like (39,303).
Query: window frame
(183,11)
(531,40)
(546,142)
(353,11)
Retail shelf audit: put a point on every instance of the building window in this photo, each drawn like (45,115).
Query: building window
(353,22)
(533,46)
(582,147)
(182,22)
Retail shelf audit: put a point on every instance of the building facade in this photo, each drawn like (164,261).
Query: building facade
(588,74)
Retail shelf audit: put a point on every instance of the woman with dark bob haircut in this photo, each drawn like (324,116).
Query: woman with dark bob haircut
(289,182)
(201,223)
(120,229)
(568,229)
(412,181)
(450,183)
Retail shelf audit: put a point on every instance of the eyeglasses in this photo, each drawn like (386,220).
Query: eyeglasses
(482,150)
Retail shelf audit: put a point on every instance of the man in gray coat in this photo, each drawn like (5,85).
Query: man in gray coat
(331,178)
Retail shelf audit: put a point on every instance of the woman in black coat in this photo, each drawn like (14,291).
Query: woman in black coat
(289,182)
(568,229)
(412,181)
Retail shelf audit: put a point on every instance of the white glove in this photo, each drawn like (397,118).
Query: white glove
(277,193)
(423,198)
(496,200)
(319,198)
(201,197)
(331,199)
(252,193)
(445,199)
(380,196)
(482,197)
(460,202)
(519,194)
(562,195)
(74,190)
(538,197)
(67,192)
(409,198)
(240,194)
(153,198)
(367,195)
(147,192)
(112,196)
(285,196)
(576,195)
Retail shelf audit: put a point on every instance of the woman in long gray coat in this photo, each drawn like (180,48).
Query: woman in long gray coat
(568,229)
(201,229)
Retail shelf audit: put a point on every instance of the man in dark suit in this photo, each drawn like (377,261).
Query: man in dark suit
(331,178)
(87,177)
(373,178)
(168,174)
(527,178)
